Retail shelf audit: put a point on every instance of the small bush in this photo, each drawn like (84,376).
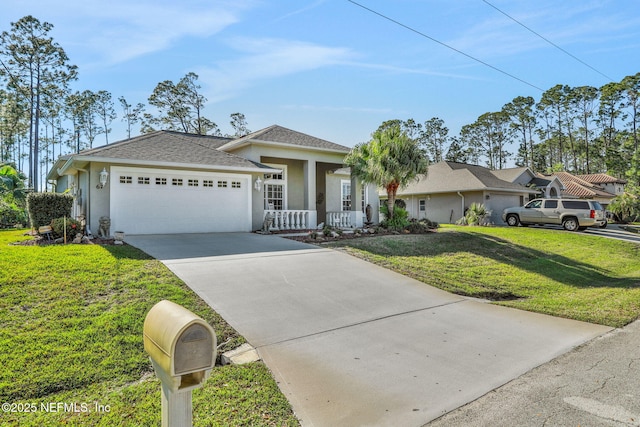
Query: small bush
(73,227)
(45,207)
(11,213)
(399,221)
(477,214)
(626,207)
(421,226)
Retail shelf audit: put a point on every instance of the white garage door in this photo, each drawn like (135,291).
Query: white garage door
(157,201)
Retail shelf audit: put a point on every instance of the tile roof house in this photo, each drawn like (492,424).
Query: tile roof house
(600,186)
(449,188)
(172,182)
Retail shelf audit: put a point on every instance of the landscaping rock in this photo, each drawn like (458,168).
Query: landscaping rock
(241,355)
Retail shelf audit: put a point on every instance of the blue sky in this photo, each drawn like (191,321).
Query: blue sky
(331,69)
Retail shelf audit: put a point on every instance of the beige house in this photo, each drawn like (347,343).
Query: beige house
(172,182)
(449,188)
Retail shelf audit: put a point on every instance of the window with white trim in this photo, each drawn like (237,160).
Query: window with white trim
(236,184)
(274,196)
(345,194)
(176,181)
(207,183)
(125,179)
(193,183)
(144,180)
(275,188)
(222,184)
(422,205)
(161,181)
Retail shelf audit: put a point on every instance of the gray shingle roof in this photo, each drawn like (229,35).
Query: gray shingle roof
(446,177)
(281,135)
(172,147)
(510,174)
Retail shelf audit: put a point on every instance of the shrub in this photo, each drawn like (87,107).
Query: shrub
(421,226)
(44,207)
(477,214)
(73,227)
(626,207)
(11,213)
(399,221)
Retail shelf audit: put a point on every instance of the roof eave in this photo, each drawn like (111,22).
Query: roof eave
(164,164)
(239,144)
(467,190)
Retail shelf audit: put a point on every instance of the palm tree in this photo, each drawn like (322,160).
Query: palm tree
(390,160)
(11,182)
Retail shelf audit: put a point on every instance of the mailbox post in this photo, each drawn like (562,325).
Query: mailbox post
(182,349)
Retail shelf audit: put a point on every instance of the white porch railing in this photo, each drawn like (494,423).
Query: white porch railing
(345,219)
(341,219)
(291,219)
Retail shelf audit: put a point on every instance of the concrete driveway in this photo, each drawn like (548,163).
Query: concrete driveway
(353,344)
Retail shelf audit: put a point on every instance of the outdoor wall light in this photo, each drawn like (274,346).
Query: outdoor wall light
(257,184)
(104,177)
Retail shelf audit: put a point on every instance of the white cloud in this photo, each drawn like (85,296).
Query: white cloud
(120,30)
(267,59)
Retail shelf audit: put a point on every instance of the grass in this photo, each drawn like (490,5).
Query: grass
(563,274)
(71,333)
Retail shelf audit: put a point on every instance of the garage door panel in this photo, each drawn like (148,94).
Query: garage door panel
(138,208)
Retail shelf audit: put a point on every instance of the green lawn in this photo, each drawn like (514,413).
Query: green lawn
(71,333)
(564,274)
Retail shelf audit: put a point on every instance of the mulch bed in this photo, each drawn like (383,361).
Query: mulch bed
(306,238)
(38,240)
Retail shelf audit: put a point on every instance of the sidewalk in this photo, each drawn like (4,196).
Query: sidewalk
(597,384)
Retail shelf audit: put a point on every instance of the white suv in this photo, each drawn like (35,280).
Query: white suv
(572,214)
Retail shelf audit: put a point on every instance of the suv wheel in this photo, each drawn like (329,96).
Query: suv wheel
(571,224)
(512,220)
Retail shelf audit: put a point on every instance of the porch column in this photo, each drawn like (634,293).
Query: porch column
(356,203)
(310,191)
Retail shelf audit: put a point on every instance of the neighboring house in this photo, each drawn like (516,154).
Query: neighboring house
(607,182)
(600,186)
(449,188)
(172,182)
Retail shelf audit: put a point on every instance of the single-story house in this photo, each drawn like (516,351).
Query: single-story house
(449,188)
(172,182)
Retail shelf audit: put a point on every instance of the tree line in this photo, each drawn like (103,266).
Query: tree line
(576,129)
(41,117)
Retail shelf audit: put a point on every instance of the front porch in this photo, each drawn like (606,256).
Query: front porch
(305,194)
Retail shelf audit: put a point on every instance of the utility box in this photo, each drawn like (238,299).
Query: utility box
(182,349)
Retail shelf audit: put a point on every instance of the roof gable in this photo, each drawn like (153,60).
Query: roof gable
(278,135)
(576,186)
(513,174)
